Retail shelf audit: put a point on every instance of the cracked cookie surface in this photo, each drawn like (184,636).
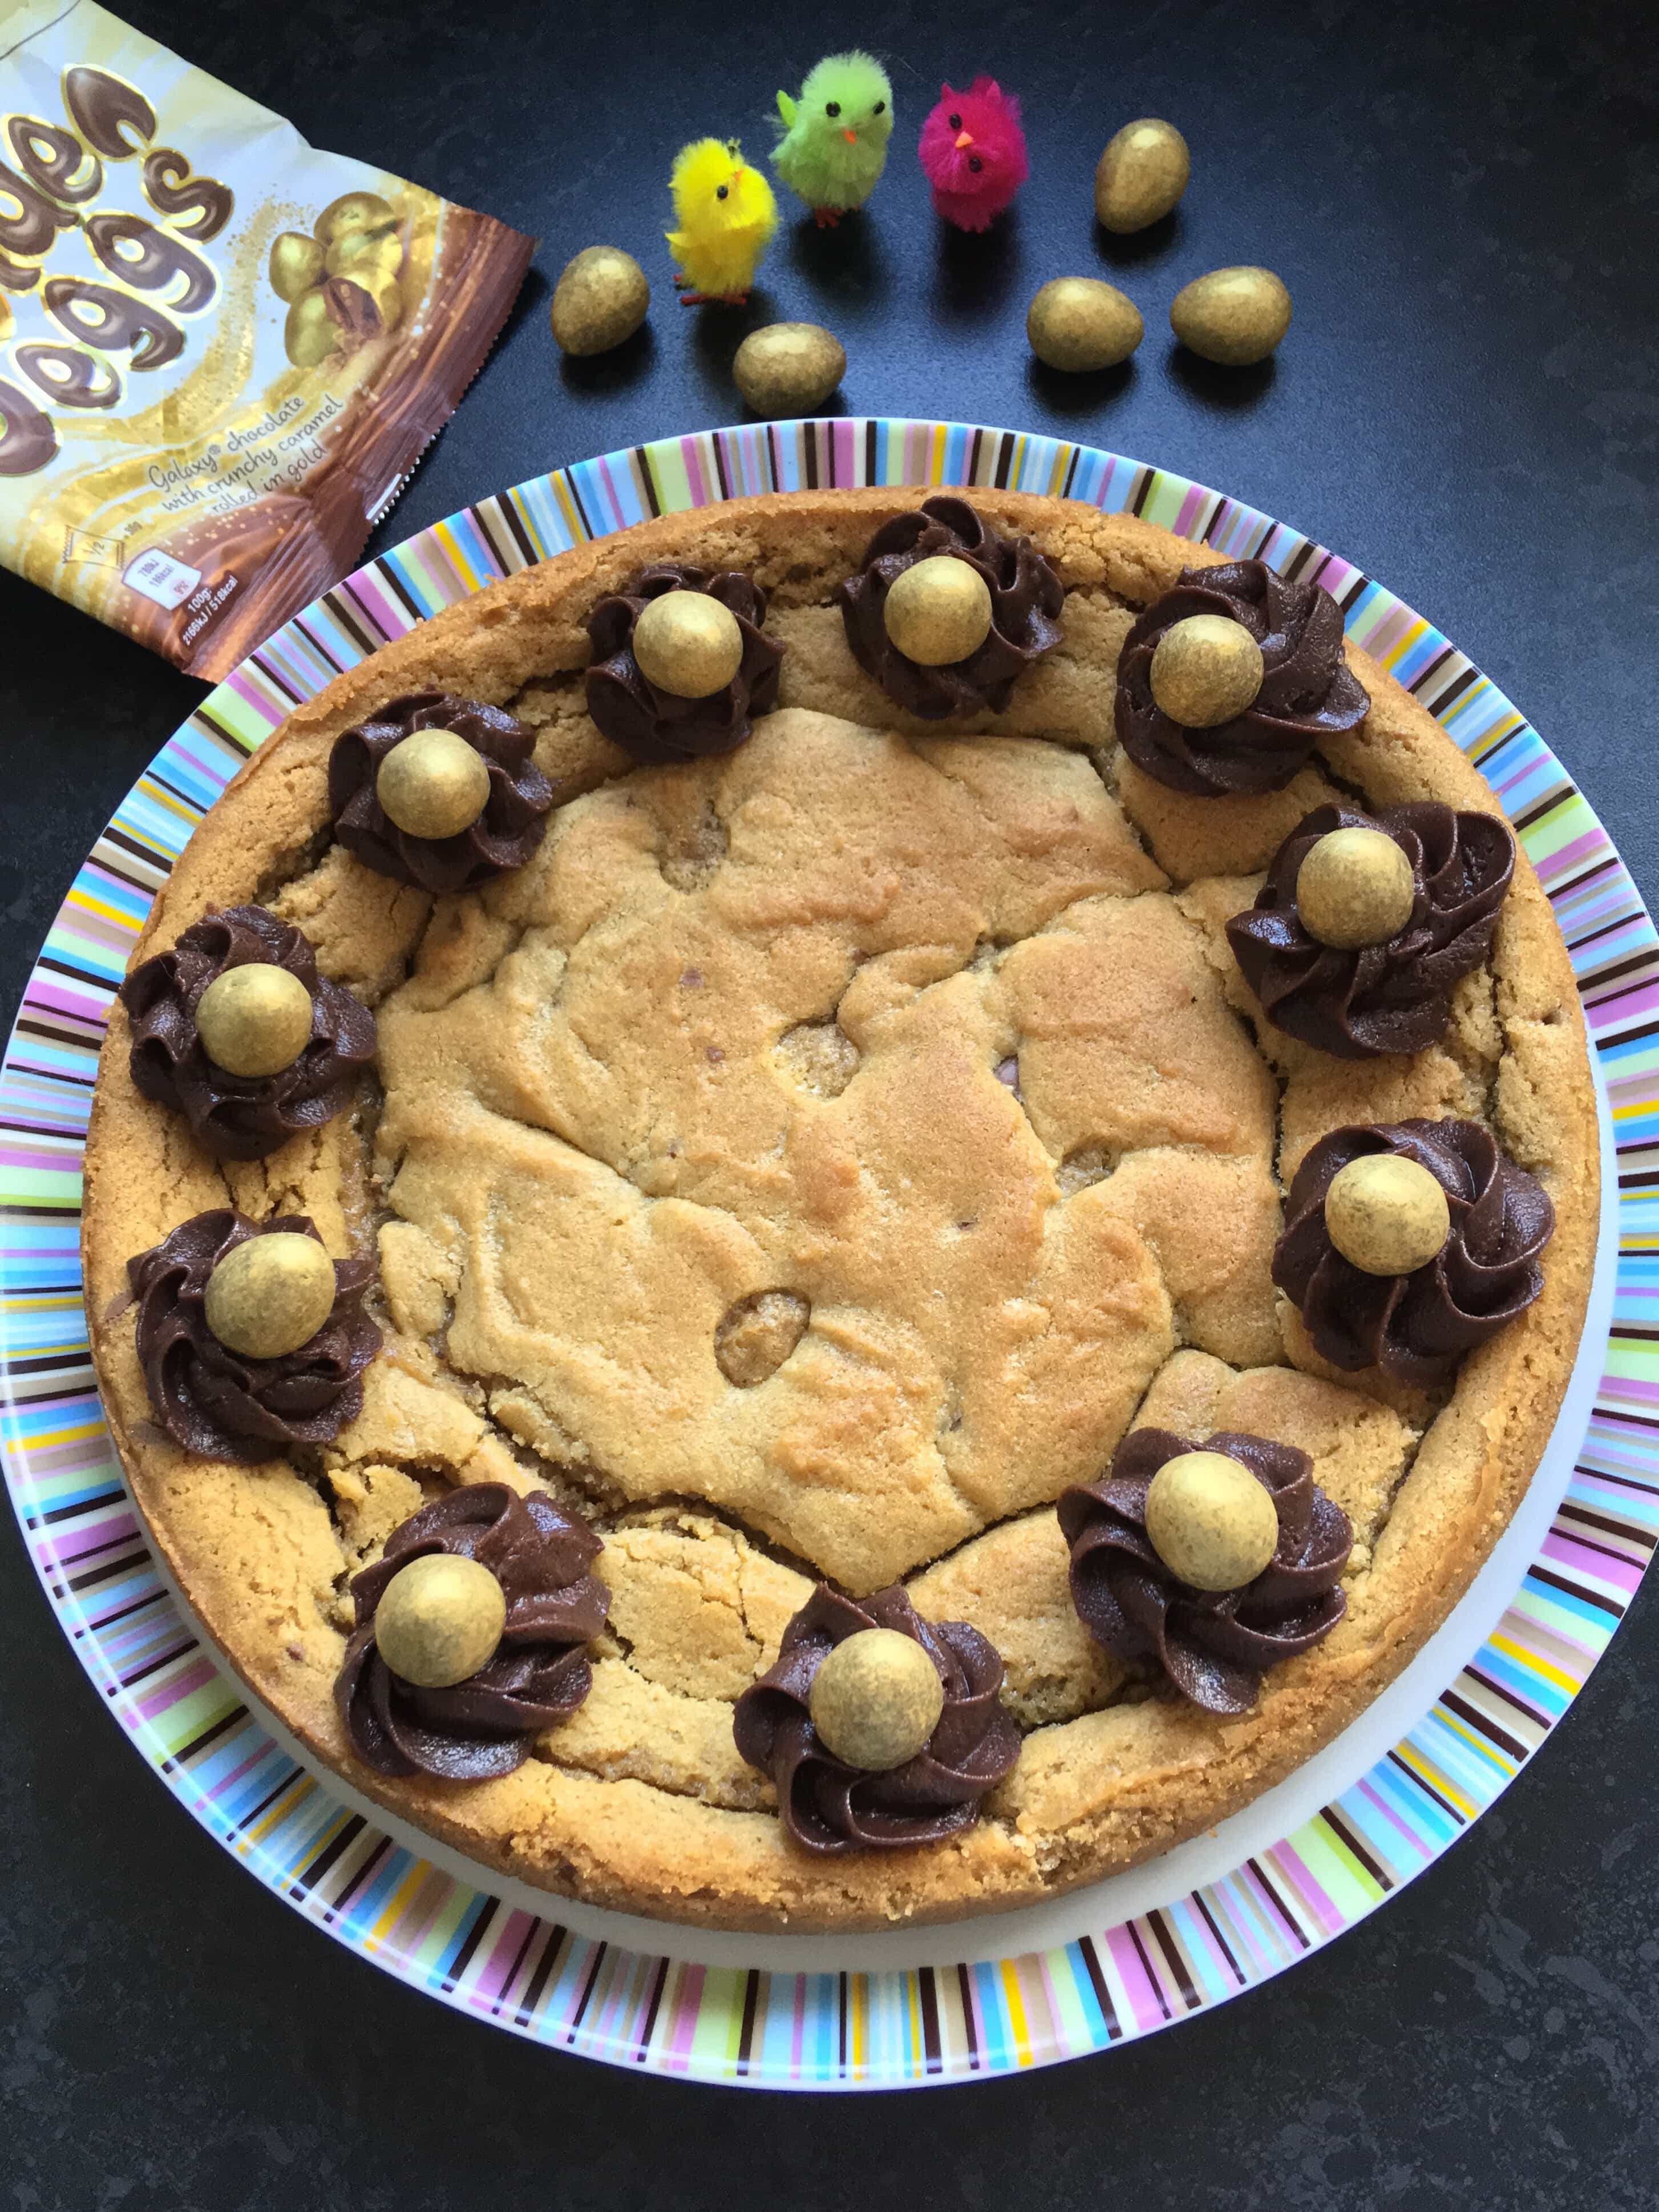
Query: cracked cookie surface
(810,1163)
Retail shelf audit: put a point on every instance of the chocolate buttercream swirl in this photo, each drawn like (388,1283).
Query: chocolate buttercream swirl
(1308,691)
(483,1727)
(214,1401)
(1026,598)
(1393,997)
(1212,1646)
(507,833)
(828,1806)
(656,725)
(1418,1327)
(242,1117)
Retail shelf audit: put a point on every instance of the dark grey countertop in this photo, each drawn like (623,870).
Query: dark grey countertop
(1464,201)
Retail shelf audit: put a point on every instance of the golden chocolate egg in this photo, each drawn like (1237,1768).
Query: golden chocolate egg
(1354,887)
(1204,671)
(255,1019)
(600,299)
(1077,323)
(297,264)
(359,253)
(876,1699)
(353,211)
(270,1295)
(687,644)
(382,292)
(433,784)
(939,611)
(1212,1524)
(311,333)
(788,368)
(1141,175)
(439,1619)
(1387,1213)
(1233,316)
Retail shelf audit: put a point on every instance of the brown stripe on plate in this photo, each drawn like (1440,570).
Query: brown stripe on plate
(648,486)
(1096,1974)
(507,507)
(377,1847)
(1280,1906)
(1153,1977)
(659,1984)
(751,1989)
(318,1868)
(927,1996)
(463,1958)
(394,583)
(601,1953)
(276,680)
(558,1937)
(1214,1926)
(1472,1716)
(1381,1875)
(317,646)
(1169,1943)
(363,631)
(965,1987)
(1420,1782)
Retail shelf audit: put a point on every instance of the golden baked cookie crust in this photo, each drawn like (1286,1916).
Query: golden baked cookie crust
(810,1163)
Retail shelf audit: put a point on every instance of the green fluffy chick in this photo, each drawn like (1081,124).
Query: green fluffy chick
(834,146)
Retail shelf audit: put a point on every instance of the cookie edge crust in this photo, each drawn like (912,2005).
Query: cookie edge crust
(629,1844)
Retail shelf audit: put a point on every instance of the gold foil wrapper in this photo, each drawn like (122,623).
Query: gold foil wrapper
(220,352)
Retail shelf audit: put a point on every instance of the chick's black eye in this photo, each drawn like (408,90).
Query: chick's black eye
(720,192)
(880,108)
(956,123)
(832,107)
(975,163)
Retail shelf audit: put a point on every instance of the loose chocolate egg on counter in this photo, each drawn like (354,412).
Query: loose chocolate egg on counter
(1079,323)
(600,301)
(788,368)
(1232,316)
(1141,175)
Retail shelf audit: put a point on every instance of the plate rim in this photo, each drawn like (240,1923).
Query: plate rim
(914,2026)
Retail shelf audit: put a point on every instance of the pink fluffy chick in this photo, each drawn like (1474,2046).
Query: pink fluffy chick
(972,151)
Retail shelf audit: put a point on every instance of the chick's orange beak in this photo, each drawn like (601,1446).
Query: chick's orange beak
(851,137)
(964,138)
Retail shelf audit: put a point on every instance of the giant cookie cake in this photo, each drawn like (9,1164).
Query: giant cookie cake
(841,1210)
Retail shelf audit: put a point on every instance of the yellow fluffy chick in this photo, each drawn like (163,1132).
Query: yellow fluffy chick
(725,214)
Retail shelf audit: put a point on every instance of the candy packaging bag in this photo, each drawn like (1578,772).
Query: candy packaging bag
(220,352)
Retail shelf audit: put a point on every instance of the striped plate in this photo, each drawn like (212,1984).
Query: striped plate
(482,1953)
